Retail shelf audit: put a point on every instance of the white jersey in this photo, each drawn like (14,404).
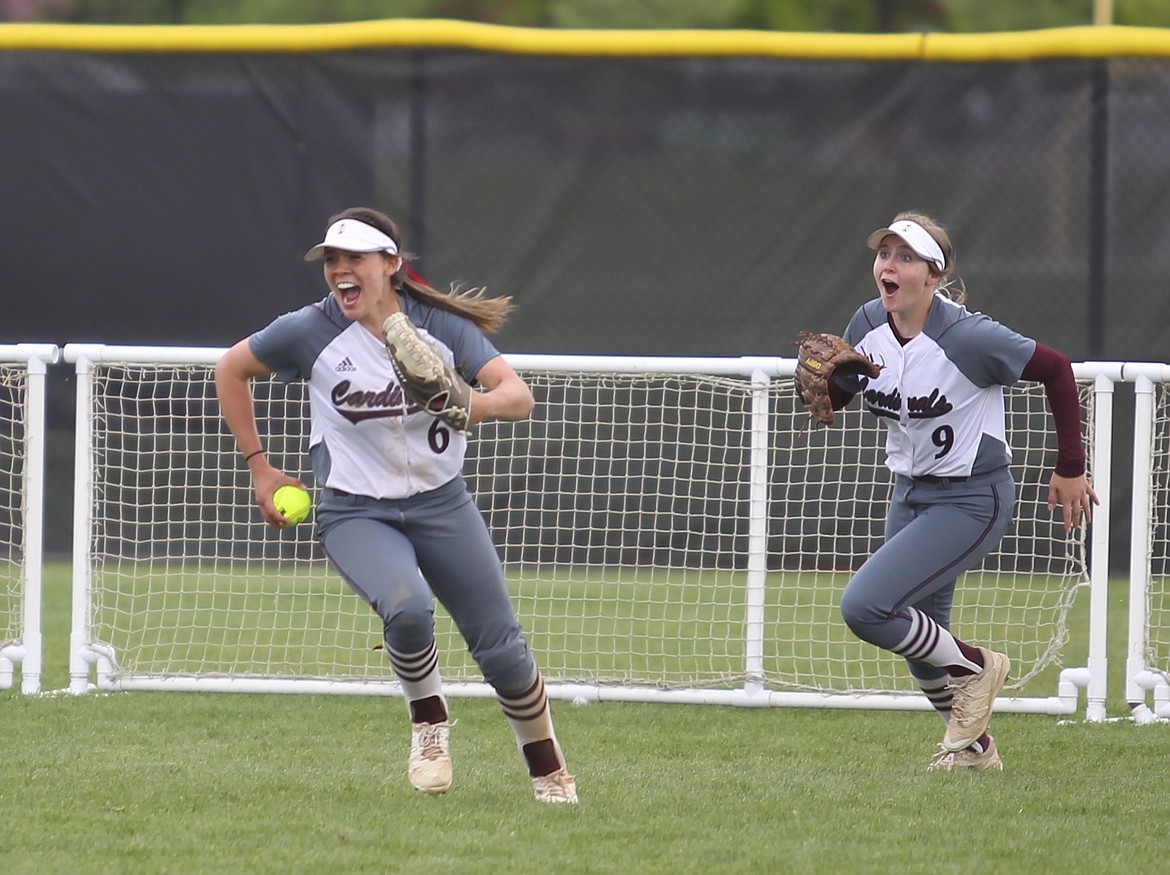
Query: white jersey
(941,393)
(366,437)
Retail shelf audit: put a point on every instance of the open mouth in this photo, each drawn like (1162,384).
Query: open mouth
(889,287)
(349,293)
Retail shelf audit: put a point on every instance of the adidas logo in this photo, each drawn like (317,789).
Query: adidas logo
(344,366)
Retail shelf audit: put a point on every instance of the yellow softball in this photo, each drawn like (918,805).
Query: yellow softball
(293,503)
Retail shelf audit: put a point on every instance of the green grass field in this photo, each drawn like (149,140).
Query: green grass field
(203,783)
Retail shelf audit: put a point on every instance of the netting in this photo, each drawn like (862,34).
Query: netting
(830,495)
(1157,608)
(186,578)
(13,462)
(623,513)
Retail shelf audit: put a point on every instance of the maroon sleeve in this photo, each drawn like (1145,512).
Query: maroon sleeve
(1054,370)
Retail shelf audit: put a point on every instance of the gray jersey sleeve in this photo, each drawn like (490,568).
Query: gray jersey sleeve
(987,352)
(290,344)
(868,317)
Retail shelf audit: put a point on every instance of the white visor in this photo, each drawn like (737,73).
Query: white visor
(353,236)
(916,237)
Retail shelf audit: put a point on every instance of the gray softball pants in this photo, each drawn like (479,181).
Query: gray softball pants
(935,531)
(395,553)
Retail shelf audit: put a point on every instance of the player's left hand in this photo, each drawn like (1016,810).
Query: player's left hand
(425,378)
(1076,498)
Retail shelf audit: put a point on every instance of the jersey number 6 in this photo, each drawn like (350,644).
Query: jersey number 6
(439,437)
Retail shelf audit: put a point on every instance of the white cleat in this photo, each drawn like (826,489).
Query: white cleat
(967,760)
(974,697)
(429,767)
(560,786)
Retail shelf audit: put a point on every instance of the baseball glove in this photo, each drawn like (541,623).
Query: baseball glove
(426,379)
(820,358)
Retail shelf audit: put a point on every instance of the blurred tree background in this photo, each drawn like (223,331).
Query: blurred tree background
(850,16)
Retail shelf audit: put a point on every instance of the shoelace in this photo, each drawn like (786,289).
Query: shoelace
(958,711)
(960,700)
(942,756)
(430,745)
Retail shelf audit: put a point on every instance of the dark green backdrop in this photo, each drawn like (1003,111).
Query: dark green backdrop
(706,206)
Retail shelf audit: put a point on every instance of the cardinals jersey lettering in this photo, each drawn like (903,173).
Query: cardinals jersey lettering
(365,436)
(940,394)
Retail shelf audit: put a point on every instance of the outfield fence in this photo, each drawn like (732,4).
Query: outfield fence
(673,529)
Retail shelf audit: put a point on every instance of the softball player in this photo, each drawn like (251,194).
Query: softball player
(394,516)
(940,394)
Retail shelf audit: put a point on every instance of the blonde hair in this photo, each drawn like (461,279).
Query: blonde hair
(488,314)
(950,285)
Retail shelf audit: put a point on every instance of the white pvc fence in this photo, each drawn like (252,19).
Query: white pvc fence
(706,574)
(22,466)
(1147,666)
(608,598)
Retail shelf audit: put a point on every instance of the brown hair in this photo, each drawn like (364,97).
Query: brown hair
(952,287)
(487,313)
